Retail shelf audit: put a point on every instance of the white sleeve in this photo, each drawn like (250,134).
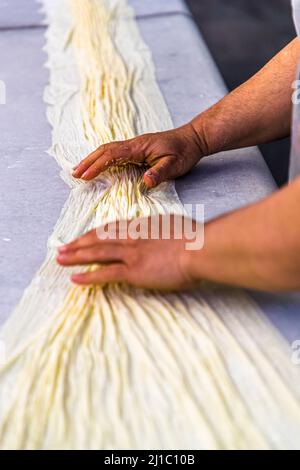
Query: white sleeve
(296,14)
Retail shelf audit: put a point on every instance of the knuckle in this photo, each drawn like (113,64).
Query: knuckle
(133,255)
(131,244)
(80,254)
(104,147)
(120,272)
(109,152)
(126,146)
(140,143)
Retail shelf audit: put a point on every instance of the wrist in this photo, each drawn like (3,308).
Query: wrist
(200,135)
(214,129)
(191,256)
(206,263)
(195,139)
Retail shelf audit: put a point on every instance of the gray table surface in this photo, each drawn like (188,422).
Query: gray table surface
(31,191)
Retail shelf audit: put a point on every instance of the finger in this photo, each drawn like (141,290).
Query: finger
(88,161)
(114,273)
(160,172)
(104,234)
(90,256)
(114,154)
(88,239)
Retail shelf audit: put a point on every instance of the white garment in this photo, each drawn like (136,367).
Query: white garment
(295,150)
(296,14)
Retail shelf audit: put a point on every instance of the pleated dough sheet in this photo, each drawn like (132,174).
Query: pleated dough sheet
(116,367)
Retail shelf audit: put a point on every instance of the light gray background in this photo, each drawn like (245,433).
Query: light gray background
(31,191)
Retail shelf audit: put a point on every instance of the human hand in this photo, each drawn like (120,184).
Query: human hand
(169,154)
(163,264)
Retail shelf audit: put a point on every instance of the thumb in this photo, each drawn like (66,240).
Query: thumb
(160,172)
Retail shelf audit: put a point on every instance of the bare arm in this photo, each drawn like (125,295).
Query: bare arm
(256,112)
(259,247)
(255,247)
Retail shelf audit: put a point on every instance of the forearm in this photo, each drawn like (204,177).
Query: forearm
(255,247)
(257,112)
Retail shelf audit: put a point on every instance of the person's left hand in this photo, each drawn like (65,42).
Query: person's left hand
(149,263)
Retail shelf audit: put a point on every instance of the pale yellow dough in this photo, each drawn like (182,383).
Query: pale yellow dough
(117,367)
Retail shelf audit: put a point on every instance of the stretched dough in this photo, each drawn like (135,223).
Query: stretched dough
(117,367)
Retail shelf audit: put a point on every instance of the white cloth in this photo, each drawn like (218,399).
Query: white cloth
(295,149)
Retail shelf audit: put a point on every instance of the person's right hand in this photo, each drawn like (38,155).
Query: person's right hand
(169,155)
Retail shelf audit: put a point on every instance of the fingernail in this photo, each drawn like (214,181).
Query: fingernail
(85,175)
(63,249)
(75,167)
(153,180)
(151,175)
